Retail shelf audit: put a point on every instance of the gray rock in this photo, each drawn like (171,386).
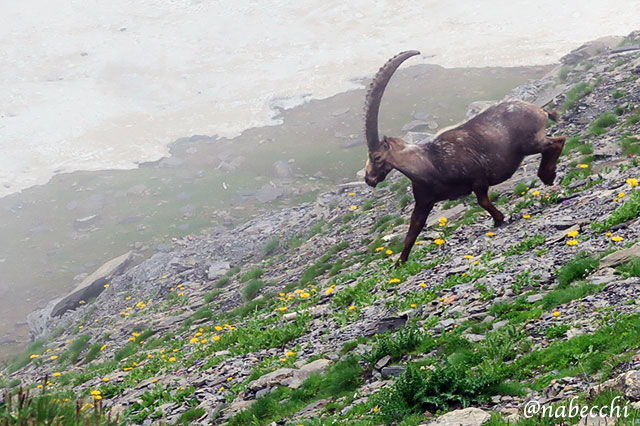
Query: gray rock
(535,298)
(218,269)
(620,256)
(467,417)
(382,362)
(282,169)
(498,325)
(93,285)
(392,371)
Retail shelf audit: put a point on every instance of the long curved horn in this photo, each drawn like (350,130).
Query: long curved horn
(374,96)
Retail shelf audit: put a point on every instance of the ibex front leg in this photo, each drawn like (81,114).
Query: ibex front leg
(418,219)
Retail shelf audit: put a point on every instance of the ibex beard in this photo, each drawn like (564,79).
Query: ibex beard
(484,151)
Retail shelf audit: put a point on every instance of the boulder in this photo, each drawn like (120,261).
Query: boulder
(291,377)
(467,417)
(218,269)
(627,383)
(93,285)
(620,256)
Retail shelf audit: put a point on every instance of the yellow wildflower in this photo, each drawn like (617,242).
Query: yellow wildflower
(608,234)
(203,341)
(57,374)
(181,293)
(172,359)
(53,357)
(175,350)
(490,234)
(379,248)
(284,359)
(107,286)
(572,242)
(423,285)
(556,314)
(351,194)
(290,353)
(439,241)
(572,234)
(305,295)
(621,195)
(526,216)
(535,193)
(194,340)
(394,281)
(616,238)
(352,308)
(218,328)
(413,305)
(389,251)
(354,207)
(34,356)
(105,379)
(583,166)
(216,338)
(329,290)
(632,182)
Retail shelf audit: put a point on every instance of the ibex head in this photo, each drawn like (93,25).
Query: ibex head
(379,163)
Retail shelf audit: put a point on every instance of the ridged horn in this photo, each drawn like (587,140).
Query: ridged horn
(374,96)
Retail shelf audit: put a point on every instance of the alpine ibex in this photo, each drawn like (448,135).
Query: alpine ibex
(481,152)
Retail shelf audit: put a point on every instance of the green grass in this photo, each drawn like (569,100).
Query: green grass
(212,295)
(271,246)
(252,274)
(34,348)
(630,268)
(630,145)
(92,353)
(581,266)
(632,120)
(341,378)
(72,354)
(576,93)
(600,124)
(190,415)
(617,94)
(252,289)
(406,340)
(623,213)
(525,245)
(25,408)
(562,74)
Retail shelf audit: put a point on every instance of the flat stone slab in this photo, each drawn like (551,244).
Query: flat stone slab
(620,256)
(467,417)
(93,285)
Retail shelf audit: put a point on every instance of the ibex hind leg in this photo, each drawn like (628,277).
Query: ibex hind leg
(550,154)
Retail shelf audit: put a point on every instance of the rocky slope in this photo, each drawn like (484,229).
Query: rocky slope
(297,317)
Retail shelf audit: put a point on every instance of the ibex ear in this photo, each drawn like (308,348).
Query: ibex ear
(384,143)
